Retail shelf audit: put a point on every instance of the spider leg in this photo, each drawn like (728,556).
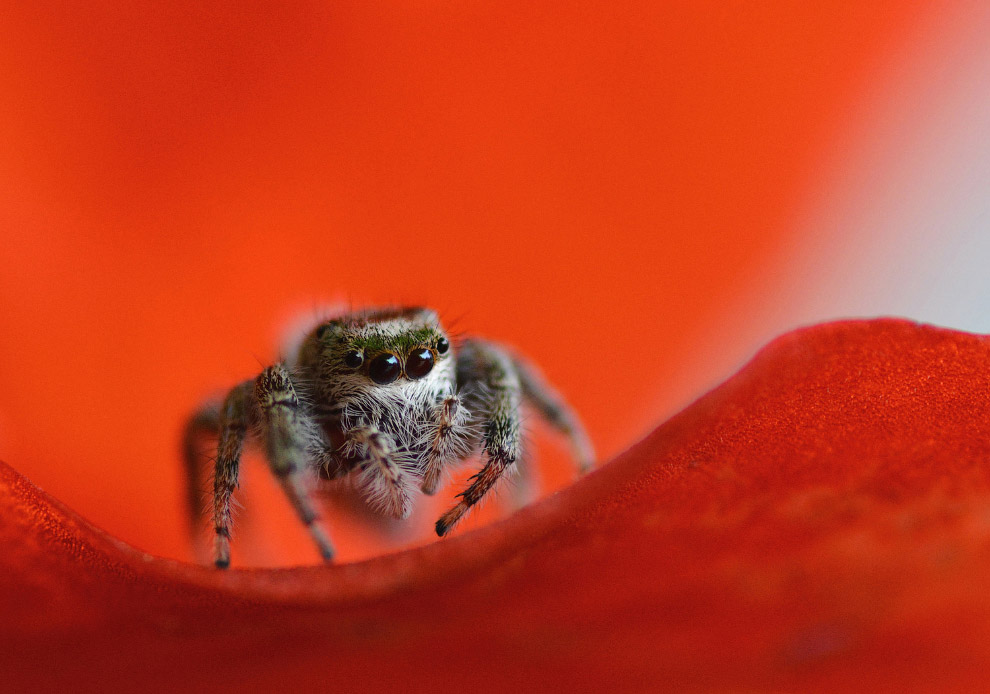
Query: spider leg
(330,464)
(449,442)
(205,422)
(290,434)
(555,410)
(234,418)
(499,396)
(386,485)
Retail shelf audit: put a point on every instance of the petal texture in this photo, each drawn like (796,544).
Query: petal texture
(820,521)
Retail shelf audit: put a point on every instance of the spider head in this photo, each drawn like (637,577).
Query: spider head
(385,348)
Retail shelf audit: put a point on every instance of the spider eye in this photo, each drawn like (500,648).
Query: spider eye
(384,369)
(419,363)
(442,345)
(354,359)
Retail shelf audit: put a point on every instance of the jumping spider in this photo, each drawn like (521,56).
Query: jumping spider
(382,395)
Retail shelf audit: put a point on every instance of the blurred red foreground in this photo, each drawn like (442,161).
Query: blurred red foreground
(821,521)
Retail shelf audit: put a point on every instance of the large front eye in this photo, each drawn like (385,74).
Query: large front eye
(384,369)
(419,363)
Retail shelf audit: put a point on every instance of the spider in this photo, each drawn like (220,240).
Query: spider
(382,395)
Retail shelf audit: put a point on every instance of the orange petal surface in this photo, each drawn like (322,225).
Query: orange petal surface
(820,521)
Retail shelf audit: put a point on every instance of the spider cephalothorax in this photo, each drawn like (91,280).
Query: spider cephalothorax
(382,395)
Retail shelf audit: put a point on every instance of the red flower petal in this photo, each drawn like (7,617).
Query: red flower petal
(820,520)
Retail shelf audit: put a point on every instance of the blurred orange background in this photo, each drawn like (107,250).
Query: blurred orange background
(600,184)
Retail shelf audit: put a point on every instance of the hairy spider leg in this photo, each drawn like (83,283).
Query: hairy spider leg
(448,442)
(204,423)
(385,484)
(555,410)
(290,434)
(498,396)
(235,416)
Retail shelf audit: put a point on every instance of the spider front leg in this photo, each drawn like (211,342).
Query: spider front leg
(290,435)
(448,442)
(386,485)
(499,395)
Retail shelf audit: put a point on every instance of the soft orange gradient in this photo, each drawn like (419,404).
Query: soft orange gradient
(589,183)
